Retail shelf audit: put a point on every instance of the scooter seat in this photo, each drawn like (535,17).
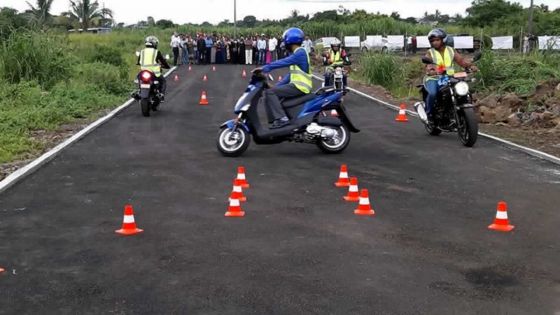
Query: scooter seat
(292,102)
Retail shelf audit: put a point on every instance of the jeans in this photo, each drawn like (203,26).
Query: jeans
(432,87)
(185,57)
(262,56)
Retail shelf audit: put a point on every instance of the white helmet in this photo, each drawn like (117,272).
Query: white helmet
(152,41)
(335,43)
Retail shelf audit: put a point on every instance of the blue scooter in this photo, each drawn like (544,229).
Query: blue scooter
(317,118)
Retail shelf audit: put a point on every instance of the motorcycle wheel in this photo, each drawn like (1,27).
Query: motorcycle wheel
(468,127)
(145,106)
(233,143)
(432,130)
(337,143)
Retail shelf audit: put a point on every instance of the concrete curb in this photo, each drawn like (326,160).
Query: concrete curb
(28,169)
(532,152)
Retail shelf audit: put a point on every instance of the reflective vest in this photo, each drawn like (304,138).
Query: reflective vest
(148,61)
(446,61)
(301,79)
(335,59)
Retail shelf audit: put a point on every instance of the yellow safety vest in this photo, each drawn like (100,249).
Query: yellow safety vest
(447,60)
(148,61)
(335,59)
(301,79)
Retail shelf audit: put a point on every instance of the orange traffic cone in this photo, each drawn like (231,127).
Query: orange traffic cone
(364,208)
(234,209)
(343,180)
(190,67)
(176,78)
(241,177)
(353,194)
(2,270)
(244,74)
(128,226)
(401,117)
(213,68)
(501,222)
(279,78)
(237,192)
(203,99)
(204,78)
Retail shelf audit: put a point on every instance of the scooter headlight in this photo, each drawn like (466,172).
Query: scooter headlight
(462,88)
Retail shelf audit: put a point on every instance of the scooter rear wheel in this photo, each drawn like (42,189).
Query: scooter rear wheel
(337,143)
(233,143)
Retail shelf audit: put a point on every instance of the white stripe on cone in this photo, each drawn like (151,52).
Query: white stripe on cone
(502,215)
(343,175)
(240,175)
(128,219)
(364,201)
(234,202)
(237,188)
(353,188)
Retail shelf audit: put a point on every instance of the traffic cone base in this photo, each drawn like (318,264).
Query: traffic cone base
(244,74)
(176,78)
(190,68)
(203,99)
(364,208)
(343,180)
(353,193)
(205,78)
(501,222)
(128,226)
(241,177)
(234,209)
(401,117)
(2,270)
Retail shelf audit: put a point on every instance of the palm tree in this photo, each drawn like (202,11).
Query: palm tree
(88,12)
(41,14)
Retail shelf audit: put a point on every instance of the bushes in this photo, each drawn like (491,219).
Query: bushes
(105,76)
(27,55)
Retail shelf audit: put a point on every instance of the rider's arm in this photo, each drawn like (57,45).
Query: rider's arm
(430,68)
(138,61)
(162,61)
(462,61)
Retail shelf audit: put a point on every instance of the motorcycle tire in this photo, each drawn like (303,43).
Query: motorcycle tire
(235,147)
(468,127)
(145,106)
(332,147)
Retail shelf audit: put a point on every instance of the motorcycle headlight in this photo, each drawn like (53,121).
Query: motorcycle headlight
(462,88)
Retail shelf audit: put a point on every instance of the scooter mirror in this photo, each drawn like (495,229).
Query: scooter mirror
(137,54)
(427,60)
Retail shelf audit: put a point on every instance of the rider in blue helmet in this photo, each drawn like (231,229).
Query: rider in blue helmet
(298,83)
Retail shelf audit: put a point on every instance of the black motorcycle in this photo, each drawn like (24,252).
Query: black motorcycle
(337,73)
(148,95)
(453,110)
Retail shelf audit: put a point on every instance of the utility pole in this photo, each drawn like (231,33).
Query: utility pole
(530,35)
(235,18)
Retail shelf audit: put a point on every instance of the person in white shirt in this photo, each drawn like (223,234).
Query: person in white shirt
(307,44)
(261,46)
(272,44)
(175,44)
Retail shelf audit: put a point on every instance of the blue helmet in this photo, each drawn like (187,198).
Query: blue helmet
(293,35)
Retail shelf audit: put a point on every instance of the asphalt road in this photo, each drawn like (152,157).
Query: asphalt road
(299,249)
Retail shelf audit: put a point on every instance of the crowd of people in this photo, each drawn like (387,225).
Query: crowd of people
(202,48)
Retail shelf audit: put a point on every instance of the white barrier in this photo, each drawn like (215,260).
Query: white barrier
(422,42)
(502,42)
(549,42)
(395,41)
(463,42)
(352,41)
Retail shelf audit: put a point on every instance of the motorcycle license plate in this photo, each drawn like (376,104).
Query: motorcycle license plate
(144,86)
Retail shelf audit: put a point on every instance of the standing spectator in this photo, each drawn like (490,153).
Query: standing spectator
(272,46)
(191,47)
(261,46)
(175,44)
(255,51)
(414,44)
(248,51)
(201,49)
(209,44)
(242,51)
(185,50)
(307,44)
(233,50)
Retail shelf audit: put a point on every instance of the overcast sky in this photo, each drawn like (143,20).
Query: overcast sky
(214,11)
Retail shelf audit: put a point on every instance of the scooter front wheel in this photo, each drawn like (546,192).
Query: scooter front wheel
(233,142)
